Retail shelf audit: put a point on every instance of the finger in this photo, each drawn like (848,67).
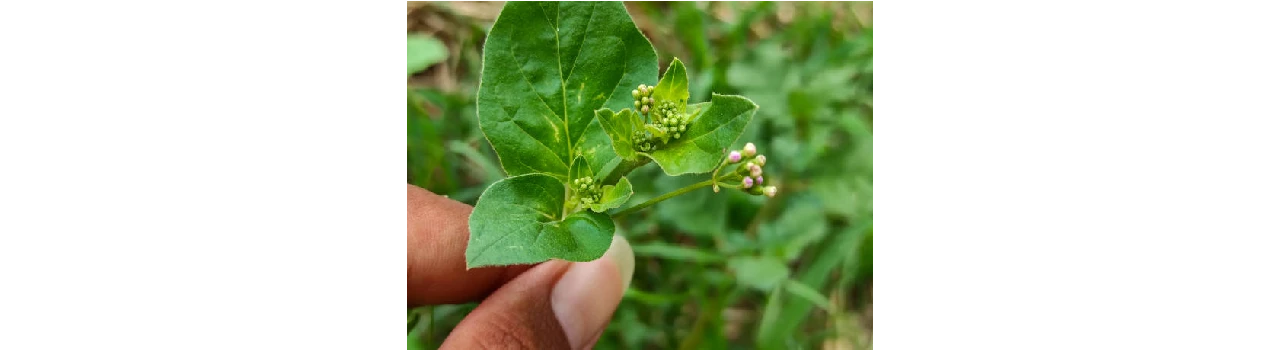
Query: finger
(555,305)
(437,265)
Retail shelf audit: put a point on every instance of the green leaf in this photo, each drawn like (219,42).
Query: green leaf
(674,252)
(619,127)
(762,273)
(657,132)
(614,196)
(548,66)
(715,128)
(674,85)
(424,51)
(808,293)
(519,221)
(581,168)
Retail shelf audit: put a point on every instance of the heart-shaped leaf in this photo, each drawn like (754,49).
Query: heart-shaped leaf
(519,220)
(547,67)
(714,127)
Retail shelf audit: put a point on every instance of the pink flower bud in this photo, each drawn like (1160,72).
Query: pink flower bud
(760,159)
(760,180)
(746,182)
(771,191)
(734,156)
(749,150)
(755,169)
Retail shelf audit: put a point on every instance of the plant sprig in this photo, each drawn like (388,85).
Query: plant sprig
(565,102)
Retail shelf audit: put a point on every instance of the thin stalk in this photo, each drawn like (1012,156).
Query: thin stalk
(664,197)
(686,189)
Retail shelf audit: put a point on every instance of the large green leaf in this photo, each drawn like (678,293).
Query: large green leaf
(547,67)
(520,220)
(714,127)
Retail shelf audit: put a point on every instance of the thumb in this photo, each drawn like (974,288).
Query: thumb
(555,305)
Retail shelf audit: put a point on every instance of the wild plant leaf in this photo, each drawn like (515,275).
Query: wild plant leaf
(547,67)
(619,127)
(711,131)
(674,85)
(614,196)
(520,220)
(581,168)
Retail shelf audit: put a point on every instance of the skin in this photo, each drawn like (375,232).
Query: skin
(552,305)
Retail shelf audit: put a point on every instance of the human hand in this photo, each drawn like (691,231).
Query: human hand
(552,305)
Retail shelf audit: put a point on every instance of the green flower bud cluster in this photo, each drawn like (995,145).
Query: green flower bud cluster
(664,120)
(643,95)
(586,190)
(643,141)
(668,119)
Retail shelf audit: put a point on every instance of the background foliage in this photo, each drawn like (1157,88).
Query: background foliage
(713,270)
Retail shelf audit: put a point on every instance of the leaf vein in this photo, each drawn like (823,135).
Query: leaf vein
(539,141)
(582,43)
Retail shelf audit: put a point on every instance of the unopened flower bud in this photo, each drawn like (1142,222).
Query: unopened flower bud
(644,109)
(755,169)
(746,182)
(637,104)
(635,93)
(760,159)
(734,156)
(760,179)
(771,191)
(749,150)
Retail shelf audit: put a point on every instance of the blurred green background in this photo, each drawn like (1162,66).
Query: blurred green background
(713,270)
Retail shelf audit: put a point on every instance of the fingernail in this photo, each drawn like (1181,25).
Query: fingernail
(586,296)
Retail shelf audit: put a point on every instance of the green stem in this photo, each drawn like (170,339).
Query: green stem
(676,192)
(664,197)
(615,169)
